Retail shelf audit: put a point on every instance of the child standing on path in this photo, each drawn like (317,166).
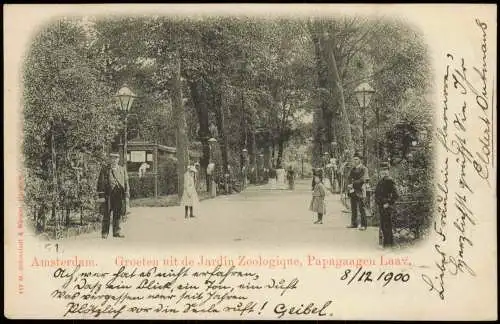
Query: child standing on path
(318,199)
(189,196)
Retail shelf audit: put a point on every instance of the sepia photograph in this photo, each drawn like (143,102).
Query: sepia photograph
(228,130)
(239,145)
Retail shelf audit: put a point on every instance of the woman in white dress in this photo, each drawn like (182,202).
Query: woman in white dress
(189,195)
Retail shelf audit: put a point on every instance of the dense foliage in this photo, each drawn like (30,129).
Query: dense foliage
(270,86)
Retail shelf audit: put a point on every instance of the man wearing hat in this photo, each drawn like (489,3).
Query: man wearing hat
(357,180)
(385,197)
(113,185)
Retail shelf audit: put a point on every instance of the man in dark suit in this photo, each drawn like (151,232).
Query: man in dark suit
(113,185)
(385,197)
(357,181)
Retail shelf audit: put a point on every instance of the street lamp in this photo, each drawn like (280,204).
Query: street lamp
(76,162)
(334,148)
(211,144)
(244,153)
(125,98)
(363,94)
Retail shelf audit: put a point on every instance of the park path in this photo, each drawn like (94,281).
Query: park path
(258,216)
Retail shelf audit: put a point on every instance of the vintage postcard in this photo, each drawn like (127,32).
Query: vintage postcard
(250,161)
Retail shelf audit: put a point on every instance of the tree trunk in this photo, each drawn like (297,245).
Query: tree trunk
(254,156)
(41,220)
(281,146)
(199,96)
(331,113)
(342,124)
(219,105)
(267,154)
(326,105)
(316,149)
(68,215)
(243,131)
(273,155)
(181,128)
(328,125)
(54,173)
(318,113)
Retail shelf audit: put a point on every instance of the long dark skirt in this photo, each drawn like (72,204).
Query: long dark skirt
(318,205)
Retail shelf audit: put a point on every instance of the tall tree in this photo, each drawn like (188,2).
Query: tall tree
(67,110)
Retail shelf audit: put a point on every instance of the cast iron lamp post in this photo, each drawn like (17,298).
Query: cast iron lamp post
(363,94)
(125,98)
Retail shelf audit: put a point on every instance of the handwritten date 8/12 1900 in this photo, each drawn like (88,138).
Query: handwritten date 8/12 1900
(360,275)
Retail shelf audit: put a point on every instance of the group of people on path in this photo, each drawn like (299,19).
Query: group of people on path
(113,188)
(357,183)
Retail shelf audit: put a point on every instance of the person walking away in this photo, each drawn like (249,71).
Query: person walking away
(113,185)
(291,178)
(189,195)
(211,184)
(344,171)
(358,179)
(266,176)
(318,199)
(385,197)
(327,169)
(228,180)
(197,178)
(335,175)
